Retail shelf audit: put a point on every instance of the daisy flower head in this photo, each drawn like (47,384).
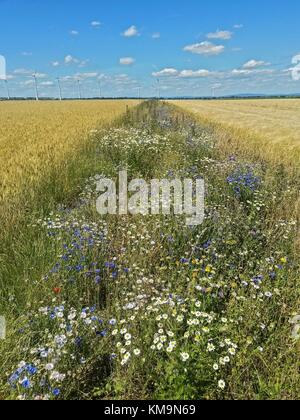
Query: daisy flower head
(221,384)
(185,357)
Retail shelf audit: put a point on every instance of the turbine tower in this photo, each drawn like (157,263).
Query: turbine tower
(7,89)
(79,89)
(158,89)
(59,88)
(100,88)
(36,87)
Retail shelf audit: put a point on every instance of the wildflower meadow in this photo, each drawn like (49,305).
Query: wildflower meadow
(142,306)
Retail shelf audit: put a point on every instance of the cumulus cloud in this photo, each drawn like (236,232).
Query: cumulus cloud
(95,24)
(131,32)
(247,72)
(166,73)
(225,35)
(83,63)
(40,75)
(253,64)
(194,74)
(156,35)
(85,76)
(69,59)
(127,61)
(55,63)
(296,59)
(28,83)
(205,48)
(23,72)
(47,84)
(74,33)
(185,74)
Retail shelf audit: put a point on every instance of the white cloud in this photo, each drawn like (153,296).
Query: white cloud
(95,24)
(47,83)
(166,73)
(156,35)
(247,72)
(39,75)
(23,72)
(28,83)
(194,74)
(83,63)
(70,60)
(55,63)
(86,75)
(238,26)
(74,33)
(127,61)
(225,35)
(131,32)
(253,64)
(26,54)
(185,74)
(67,78)
(205,48)
(296,59)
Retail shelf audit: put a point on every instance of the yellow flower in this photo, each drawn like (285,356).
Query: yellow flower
(208,269)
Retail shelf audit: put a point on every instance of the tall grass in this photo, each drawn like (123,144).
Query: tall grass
(145,307)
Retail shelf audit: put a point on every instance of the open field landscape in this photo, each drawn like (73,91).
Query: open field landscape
(269,126)
(149,243)
(37,138)
(145,307)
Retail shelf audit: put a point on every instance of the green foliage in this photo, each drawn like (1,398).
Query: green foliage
(145,307)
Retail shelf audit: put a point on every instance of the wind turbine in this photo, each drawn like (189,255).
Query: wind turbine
(7,89)
(79,89)
(100,88)
(213,89)
(59,88)
(36,87)
(158,89)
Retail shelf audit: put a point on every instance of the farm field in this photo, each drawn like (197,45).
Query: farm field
(269,126)
(132,307)
(41,147)
(35,137)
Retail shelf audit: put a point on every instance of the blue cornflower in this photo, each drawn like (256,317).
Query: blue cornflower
(13,378)
(32,370)
(101,333)
(56,392)
(26,383)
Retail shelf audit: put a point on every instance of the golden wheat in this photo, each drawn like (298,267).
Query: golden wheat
(269,128)
(36,137)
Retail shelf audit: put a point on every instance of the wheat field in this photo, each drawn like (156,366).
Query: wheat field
(37,137)
(270,127)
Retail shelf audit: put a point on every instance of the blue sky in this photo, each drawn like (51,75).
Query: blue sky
(126,45)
